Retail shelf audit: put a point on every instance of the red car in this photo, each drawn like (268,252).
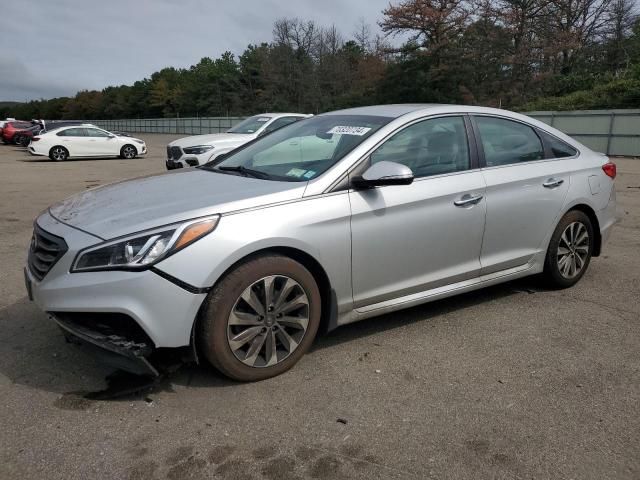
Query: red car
(10,129)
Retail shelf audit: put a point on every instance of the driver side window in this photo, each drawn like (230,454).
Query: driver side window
(431,147)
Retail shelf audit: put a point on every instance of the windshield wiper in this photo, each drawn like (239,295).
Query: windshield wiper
(245,171)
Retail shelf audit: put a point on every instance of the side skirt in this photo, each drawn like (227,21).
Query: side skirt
(443,292)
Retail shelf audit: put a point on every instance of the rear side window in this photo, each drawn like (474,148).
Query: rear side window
(557,147)
(506,142)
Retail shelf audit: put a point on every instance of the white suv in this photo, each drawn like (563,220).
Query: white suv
(200,149)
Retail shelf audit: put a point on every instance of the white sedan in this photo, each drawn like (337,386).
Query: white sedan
(200,149)
(85,141)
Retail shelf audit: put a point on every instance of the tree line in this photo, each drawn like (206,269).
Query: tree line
(517,54)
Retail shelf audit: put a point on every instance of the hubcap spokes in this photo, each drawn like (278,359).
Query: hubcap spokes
(573,250)
(268,321)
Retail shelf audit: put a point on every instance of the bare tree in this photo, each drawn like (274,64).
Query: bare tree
(621,17)
(431,24)
(576,24)
(295,33)
(362,35)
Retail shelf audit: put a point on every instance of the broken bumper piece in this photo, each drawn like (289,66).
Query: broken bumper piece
(106,339)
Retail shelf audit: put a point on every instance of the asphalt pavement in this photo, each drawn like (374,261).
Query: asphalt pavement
(513,381)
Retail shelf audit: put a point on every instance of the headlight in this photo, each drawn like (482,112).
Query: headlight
(137,140)
(142,250)
(197,149)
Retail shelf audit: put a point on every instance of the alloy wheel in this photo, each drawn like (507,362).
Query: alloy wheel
(268,321)
(59,154)
(128,152)
(573,250)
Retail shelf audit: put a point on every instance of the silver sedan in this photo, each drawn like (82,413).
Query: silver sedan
(327,221)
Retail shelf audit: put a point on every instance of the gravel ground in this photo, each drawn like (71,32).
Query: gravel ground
(509,382)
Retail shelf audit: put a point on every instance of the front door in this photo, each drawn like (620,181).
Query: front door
(411,238)
(100,143)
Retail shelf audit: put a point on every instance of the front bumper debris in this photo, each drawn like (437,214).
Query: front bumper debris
(110,347)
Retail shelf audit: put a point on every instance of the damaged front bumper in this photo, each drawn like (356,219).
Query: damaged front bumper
(128,351)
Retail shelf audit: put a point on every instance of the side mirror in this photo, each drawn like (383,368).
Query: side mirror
(384,173)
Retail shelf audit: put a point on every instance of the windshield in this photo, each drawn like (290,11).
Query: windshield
(250,125)
(303,150)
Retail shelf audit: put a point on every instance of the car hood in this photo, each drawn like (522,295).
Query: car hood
(142,203)
(213,139)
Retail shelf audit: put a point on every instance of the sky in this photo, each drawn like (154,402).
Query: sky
(56,48)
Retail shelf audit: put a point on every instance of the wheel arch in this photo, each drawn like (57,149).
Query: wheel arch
(590,212)
(129,145)
(60,146)
(329,306)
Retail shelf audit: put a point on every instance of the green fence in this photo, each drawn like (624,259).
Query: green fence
(187,126)
(614,132)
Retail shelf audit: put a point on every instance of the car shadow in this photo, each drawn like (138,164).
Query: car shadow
(33,351)
(41,159)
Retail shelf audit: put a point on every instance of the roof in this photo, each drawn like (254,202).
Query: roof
(280,114)
(394,110)
(398,110)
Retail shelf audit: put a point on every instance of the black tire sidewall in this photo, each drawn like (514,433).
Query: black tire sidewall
(212,323)
(122,151)
(62,160)
(551,270)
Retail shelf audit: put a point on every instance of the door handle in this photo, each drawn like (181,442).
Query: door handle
(552,183)
(467,199)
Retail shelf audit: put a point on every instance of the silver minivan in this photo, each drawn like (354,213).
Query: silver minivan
(327,221)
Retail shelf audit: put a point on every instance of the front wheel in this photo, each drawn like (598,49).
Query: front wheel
(570,250)
(128,152)
(260,319)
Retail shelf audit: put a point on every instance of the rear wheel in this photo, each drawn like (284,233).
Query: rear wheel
(260,319)
(58,154)
(570,250)
(128,152)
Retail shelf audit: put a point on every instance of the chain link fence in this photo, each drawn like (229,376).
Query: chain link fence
(187,126)
(614,132)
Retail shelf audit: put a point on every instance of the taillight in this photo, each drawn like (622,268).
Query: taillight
(35,139)
(609,169)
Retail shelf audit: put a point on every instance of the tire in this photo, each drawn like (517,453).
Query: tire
(17,139)
(227,340)
(569,252)
(58,153)
(128,152)
(24,141)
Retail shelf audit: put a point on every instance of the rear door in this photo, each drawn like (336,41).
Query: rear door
(411,238)
(525,191)
(75,141)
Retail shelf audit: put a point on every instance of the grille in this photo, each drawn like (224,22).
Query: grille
(174,153)
(45,250)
